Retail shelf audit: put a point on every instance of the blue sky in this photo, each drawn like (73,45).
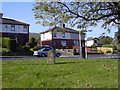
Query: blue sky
(23,11)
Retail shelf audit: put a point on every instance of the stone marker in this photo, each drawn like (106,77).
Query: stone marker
(51,57)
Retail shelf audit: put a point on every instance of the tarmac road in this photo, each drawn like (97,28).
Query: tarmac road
(4,58)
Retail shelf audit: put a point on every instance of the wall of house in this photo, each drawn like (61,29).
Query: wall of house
(74,35)
(56,43)
(60,35)
(6,28)
(46,36)
(89,43)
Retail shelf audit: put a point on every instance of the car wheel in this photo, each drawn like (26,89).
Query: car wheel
(43,55)
(57,54)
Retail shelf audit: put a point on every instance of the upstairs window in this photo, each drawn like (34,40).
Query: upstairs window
(25,28)
(12,27)
(63,35)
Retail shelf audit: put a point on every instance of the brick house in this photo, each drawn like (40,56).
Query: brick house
(60,37)
(14,29)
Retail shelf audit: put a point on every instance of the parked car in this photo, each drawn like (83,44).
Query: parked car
(44,52)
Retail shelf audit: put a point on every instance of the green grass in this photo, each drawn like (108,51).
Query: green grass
(66,73)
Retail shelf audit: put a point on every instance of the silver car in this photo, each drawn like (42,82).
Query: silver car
(44,52)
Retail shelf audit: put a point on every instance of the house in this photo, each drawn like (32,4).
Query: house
(14,29)
(91,41)
(60,37)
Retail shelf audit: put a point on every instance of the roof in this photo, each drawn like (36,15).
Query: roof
(36,35)
(12,21)
(89,39)
(60,28)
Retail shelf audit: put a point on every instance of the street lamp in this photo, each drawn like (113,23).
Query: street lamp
(82,49)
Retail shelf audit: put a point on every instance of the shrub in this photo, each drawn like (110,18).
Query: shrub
(32,42)
(20,49)
(11,45)
(26,49)
(109,52)
(94,46)
(36,48)
(5,42)
(110,46)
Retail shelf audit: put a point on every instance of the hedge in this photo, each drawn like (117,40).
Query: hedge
(110,46)
(12,45)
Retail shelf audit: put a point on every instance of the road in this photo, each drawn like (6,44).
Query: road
(62,56)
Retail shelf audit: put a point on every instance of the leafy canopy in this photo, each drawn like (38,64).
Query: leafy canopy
(77,14)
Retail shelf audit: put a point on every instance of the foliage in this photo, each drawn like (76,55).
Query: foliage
(94,45)
(36,48)
(105,40)
(109,52)
(32,42)
(110,46)
(22,49)
(66,73)
(5,42)
(11,45)
(77,14)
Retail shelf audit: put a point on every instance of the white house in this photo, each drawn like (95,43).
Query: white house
(60,37)
(91,41)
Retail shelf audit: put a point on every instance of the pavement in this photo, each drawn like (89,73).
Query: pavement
(116,56)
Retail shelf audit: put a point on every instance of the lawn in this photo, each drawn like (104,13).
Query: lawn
(66,73)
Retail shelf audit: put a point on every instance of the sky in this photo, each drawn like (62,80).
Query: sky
(23,11)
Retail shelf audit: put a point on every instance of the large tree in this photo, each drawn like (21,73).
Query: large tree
(105,40)
(78,14)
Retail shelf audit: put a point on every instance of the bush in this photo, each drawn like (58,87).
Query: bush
(110,46)
(5,42)
(11,45)
(109,52)
(20,49)
(26,49)
(31,42)
(36,48)
(94,46)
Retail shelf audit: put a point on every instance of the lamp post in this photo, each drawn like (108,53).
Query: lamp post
(83,49)
(82,52)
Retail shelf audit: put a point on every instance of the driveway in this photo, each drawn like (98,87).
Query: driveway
(62,56)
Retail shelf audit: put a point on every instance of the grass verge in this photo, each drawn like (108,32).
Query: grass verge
(66,73)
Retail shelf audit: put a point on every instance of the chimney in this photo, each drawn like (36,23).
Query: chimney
(63,25)
(1,15)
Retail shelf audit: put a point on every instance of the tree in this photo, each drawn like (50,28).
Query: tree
(32,42)
(79,14)
(105,40)
(117,39)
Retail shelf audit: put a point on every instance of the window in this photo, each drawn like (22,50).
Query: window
(18,27)
(6,26)
(63,35)
(25,28)
(12,27)
(63,42)
(75,43)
